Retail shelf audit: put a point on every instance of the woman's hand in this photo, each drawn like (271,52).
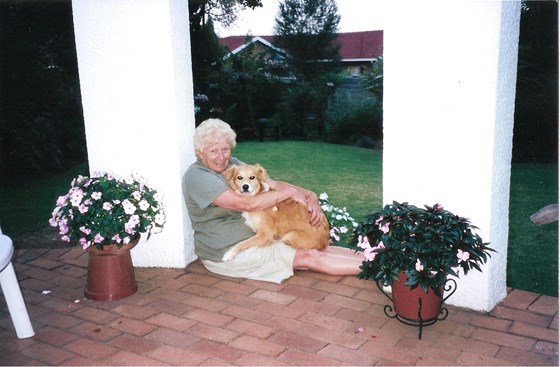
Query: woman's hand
(314,208)
(307,198)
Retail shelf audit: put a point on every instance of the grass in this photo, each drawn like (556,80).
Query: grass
(26,207)
(532,250)
(352,178)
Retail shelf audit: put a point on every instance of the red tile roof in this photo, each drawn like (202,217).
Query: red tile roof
(354,45)
(361,45)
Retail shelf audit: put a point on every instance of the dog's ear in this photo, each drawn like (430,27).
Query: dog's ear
(230,173)
(262,174)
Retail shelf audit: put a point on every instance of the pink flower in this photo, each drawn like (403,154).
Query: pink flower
(439,207)
(96,195)
(98,238)
(116,238)
(61,200)
(76,197)
(65,238)
(83,208)
(134,219)
(107,205)
(462,255)
(419,266)
(137,195)
(363,242)
(384,228)
(369,253)
(85,230)
(84,243)
(63,227)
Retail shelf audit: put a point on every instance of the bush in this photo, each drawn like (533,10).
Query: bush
(353,121)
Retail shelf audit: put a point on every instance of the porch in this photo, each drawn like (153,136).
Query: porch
(192,317)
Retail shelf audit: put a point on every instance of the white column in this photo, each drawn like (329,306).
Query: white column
(136,84)
(450,74)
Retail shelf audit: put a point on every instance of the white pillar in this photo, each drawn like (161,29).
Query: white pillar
(136,83)
(449,93)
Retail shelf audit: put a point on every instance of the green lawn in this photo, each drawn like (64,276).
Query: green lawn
(27,207)
(533,250)
(352,178)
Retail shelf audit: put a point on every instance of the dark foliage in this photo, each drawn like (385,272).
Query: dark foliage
(536,105)
(41,120)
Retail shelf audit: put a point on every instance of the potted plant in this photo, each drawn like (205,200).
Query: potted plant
(419,248)
(106,215)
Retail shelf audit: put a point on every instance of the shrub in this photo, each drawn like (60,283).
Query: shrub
(353,121)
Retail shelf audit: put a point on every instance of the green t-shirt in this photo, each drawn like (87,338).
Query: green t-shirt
(215,229)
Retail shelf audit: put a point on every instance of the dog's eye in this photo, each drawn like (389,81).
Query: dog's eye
(240,178)
(252,178)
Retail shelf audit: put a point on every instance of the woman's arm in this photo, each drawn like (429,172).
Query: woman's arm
(281,191)
(311,200)
(233,200)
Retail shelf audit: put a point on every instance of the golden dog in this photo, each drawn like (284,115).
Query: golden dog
(287,222)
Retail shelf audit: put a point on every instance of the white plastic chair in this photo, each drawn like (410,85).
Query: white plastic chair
(11,290)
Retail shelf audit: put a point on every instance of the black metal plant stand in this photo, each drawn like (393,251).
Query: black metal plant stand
(449,286)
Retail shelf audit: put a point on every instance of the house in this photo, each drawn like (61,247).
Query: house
(357,49)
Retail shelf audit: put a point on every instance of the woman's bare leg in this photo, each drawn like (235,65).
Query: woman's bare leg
(331,262)
(344,251)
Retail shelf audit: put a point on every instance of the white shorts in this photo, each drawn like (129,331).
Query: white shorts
(272,263)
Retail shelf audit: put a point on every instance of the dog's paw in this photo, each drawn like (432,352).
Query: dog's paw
(229,255)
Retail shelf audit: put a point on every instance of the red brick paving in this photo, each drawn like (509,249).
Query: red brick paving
(192,317)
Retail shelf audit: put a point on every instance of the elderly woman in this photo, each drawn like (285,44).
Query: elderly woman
(215,212)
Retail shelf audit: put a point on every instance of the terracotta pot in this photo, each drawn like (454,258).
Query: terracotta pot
(406,304)
(110,272)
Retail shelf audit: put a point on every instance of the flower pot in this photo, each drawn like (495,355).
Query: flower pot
(415,304)
(110,273)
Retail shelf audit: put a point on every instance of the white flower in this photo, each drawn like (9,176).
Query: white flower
(144,205)
(159,219)
(129,208)
(324,196)
(158,197)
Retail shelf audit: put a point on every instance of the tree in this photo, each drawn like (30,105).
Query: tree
(307,31)
(206,54)
(206,51)
(222,11)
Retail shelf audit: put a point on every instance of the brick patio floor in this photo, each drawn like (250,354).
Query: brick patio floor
(192,317)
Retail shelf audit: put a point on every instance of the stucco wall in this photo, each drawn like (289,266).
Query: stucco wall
(449,92)
(136,83)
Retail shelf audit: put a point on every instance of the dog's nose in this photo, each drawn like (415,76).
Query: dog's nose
(245,187)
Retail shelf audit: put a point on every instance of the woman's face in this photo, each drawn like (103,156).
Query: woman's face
(216,155)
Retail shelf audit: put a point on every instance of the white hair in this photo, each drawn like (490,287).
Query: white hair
(211,131)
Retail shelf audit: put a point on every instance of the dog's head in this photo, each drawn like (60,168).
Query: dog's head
(247,179)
